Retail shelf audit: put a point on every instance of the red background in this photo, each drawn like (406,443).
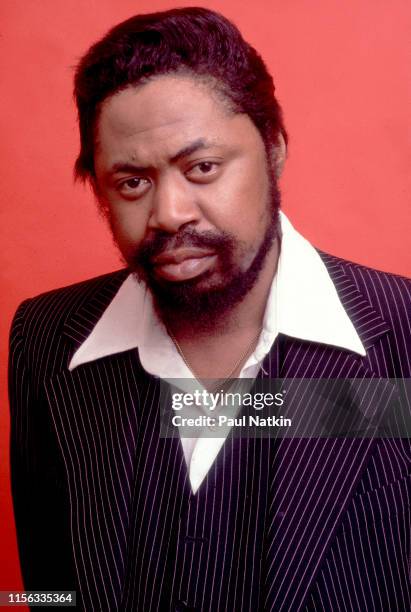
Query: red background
(342,75)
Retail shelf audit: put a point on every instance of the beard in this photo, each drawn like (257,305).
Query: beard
(203,301)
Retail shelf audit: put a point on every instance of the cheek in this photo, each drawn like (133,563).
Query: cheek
(127,225)
(243,201)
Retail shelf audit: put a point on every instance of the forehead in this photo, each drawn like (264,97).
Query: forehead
(151,121)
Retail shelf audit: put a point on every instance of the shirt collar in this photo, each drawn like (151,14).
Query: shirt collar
(303,303)
(309,307)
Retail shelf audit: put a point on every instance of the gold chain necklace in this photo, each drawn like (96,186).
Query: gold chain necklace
(231,373)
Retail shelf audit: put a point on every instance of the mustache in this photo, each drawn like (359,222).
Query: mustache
(163,241)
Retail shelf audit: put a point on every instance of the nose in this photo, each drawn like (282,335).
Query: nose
(173,205)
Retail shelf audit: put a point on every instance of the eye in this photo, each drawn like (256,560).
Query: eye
(203,172)
(134,187)
(206,167)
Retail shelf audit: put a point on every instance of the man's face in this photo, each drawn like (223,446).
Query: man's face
(190,200)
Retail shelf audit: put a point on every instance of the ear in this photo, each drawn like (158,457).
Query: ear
(279,155)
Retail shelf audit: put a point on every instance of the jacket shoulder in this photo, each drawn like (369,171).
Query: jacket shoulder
(361,269)
(370,281)
(53,308)
(389,294)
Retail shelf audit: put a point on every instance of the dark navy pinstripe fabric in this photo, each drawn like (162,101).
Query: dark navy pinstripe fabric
(104,506)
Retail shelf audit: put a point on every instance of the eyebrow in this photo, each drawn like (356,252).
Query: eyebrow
(200,143)
(196,145)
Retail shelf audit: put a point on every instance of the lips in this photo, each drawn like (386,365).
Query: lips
(183,264)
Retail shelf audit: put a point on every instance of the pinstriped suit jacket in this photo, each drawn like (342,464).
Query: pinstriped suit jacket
(104,507)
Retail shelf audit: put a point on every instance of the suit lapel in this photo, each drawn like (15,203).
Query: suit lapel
(312,480)
(95,411)
(85,315)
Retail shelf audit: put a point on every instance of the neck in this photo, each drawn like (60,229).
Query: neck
(245,316)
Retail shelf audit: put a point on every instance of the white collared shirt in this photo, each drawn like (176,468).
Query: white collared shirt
(302,303)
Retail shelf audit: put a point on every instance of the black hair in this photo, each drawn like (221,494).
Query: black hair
(196,41)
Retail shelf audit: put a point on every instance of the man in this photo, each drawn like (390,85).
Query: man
(183,141)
